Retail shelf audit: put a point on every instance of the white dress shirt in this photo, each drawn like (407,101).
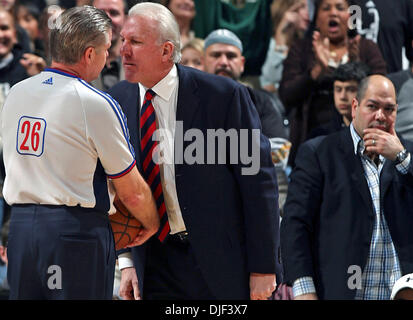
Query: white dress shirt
(165,104)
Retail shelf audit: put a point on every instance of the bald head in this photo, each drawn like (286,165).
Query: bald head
(376,80)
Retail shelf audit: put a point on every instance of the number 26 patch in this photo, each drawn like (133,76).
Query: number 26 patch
(30,136)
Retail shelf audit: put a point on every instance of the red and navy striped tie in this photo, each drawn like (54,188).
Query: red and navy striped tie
(150,168)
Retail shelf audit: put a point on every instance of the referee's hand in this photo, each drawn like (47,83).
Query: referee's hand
(143,235)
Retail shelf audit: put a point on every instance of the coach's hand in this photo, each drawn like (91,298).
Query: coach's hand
(261,286)
(129,289)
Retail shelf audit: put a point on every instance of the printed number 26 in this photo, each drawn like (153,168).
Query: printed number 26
(30,136)
(34,135)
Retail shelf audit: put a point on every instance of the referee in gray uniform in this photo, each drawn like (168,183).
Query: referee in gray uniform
(64,142)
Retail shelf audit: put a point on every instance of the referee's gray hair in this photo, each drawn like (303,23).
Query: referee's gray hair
(167,26)
(78,28)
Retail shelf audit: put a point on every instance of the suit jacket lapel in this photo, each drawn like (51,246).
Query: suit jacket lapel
(188,101)
(386,176)
(187,106)
(355,168)
(132,114)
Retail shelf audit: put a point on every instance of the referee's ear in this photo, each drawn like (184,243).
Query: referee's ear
(89,55)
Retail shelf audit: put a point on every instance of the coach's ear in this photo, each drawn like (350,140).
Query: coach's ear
(168,51)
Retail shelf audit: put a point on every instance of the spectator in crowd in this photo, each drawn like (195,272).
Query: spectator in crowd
(346,231)
(22,37)
(184,12)
(390,25)
(11,71)
(113,71)
(193,54)
(403,82)
(306,88)
(290,21)
(28,17)
(347,78)
(15,64)
(223,56)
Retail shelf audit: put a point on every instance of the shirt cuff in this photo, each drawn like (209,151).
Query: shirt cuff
(403,167)
(125,260)
(302,286)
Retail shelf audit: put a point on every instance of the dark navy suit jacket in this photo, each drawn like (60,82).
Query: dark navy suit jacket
(232,219)
(329,217)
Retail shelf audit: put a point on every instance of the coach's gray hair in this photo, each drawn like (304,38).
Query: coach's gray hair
(167,26)
(77,29)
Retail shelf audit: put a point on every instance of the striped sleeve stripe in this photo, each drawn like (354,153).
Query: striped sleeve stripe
(116,108)
(125,122)
(121,174)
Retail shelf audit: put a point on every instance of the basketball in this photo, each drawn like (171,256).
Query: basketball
(124,226)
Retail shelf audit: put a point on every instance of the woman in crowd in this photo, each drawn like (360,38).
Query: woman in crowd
(290,21)
(193,54)
(184,12)
(27,16)
(306,88)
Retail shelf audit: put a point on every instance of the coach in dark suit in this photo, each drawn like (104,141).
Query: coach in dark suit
(223,238)
(347,229)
